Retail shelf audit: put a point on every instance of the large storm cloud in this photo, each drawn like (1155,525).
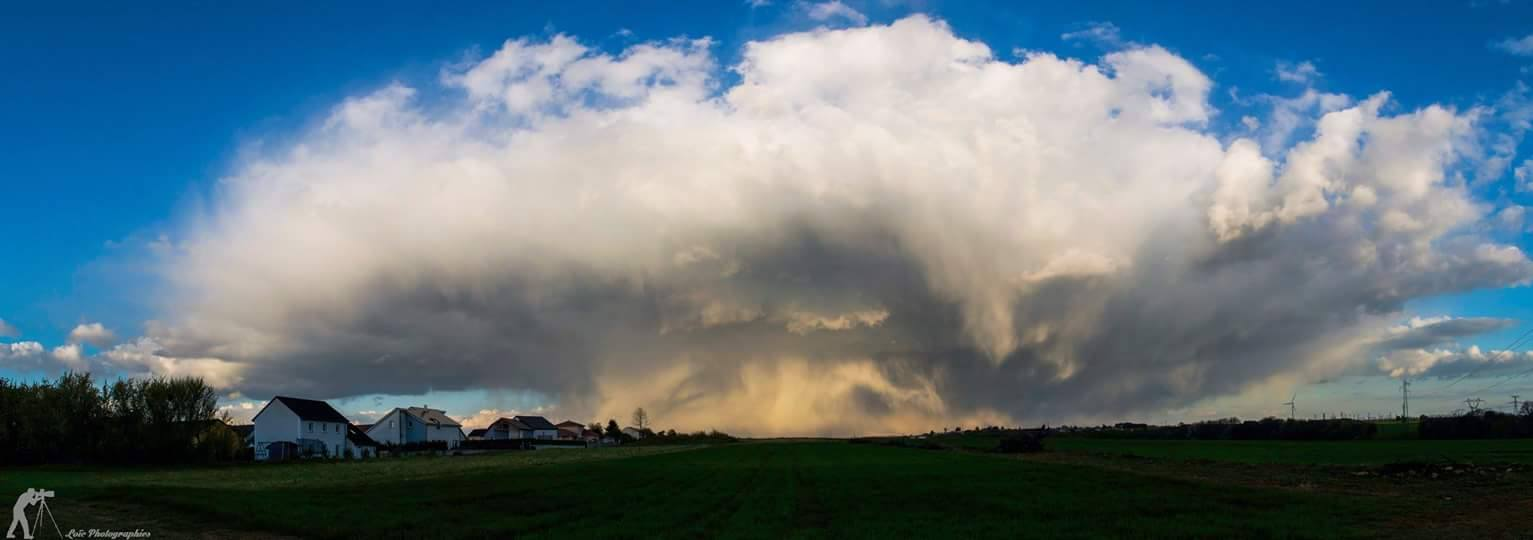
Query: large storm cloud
(870,229)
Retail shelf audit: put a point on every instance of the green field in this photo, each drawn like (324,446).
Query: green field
(761,490)
(1374,452)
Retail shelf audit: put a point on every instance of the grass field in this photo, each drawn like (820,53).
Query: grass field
(1375,452)
(761,490)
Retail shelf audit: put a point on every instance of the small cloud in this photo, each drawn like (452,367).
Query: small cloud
(1250,122)
(92,333)
(834,9)
(1522,46)
(70,356)
(7,330)
(1302,72)
(1105,34)
(1524,176)
(758,3)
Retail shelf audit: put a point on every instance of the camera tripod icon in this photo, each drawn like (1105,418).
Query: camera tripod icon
(19,513)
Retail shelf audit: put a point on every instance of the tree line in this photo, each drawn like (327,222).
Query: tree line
(149,420)
(1249,430)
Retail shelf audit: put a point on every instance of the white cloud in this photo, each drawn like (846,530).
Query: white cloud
(22,355)
(1523,176)
(1512,218)
(70,356)
(834,10)
(1446,363)
(92,333)
(1522,46)
(964,236)
(1104,34)
(145,356)
(1302,72)
(758,3)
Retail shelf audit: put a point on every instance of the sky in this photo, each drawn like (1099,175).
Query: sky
(775,217)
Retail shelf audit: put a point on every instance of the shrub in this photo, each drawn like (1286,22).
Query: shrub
(1022,443)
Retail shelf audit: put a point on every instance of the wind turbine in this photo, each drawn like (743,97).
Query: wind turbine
(1290,405)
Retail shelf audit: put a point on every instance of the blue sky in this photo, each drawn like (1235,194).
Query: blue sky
(119,119)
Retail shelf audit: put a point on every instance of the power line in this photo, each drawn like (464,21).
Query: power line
(1507,350)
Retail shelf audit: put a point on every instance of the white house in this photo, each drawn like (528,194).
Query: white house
(522,427)
(358,444)
(633,432)
(416,424)
(538,427)
(571,430)
(290,427)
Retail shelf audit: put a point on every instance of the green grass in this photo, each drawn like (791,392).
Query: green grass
(1373,452)
(760,490)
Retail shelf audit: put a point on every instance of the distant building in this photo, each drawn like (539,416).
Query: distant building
(569,430)
(522,427)
(507,428)
(289,427)
(358,444)
(633,432)
(417,425)
(477,435)
(246,433)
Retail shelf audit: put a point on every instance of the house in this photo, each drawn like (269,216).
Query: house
(570,430)
(296,427)
(477,435)
(539,427)
(591,436)
(506,428)
(522,427)
(633,432)
(416,425)
(246,433)
(358,444)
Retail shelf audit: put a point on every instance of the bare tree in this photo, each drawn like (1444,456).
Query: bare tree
(640,418)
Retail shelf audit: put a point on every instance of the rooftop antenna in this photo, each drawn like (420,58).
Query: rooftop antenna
(1290,404)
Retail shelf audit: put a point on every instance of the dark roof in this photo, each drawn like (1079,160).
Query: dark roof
(571,423)
(510,423)
(477,433)
(433,416)
(357,437)
(244,430)
(309,409)
(364,427)
(535,422)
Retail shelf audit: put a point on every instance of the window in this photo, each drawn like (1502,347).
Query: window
(311,427)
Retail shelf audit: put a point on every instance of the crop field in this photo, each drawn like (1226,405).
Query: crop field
(755,490)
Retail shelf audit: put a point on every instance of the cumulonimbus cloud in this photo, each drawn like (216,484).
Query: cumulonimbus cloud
(874,229)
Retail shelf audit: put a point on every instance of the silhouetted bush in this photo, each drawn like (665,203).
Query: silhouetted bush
(698,437)
(1249,430)
(1021,443)
(1486,425)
